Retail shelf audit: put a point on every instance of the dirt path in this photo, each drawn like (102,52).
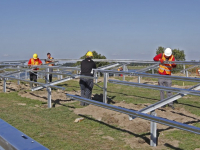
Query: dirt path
(139,126)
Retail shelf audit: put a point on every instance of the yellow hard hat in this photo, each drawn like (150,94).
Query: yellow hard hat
(35,56)
(89,54)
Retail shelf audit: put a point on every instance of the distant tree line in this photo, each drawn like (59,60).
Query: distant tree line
(95,56)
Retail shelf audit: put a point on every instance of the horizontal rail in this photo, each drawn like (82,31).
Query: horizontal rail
(189,68)
(148,68)
(135,73)
(156,87)
(129,112)
(13,139)
(132,61)
(55,82)
(167,100)
(78,75)
(109,66)
(116,60)
(42,84)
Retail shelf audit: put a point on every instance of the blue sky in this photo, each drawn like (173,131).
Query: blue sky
(131,29)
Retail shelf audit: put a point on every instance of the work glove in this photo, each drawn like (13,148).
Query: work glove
(174,65)
(161,61)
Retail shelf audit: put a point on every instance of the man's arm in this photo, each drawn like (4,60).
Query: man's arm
(158,57)
(40,62)
(173,65)
(29,62)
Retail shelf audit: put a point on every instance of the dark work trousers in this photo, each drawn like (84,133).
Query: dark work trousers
(167,83)
(86,89)
(33,76)
(50,77)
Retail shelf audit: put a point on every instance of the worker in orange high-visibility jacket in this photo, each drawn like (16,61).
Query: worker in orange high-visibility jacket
(120,69)
(50,69)
(165,69)
(33,62)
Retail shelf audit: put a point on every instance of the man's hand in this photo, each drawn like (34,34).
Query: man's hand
(30,66)
(161,61)
(174,65)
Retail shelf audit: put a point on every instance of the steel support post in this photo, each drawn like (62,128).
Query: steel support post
(47,76)
(95,75)
(105,88)
(99,74)
(183,69)
(152,71)
(186,73)
(124,68)
(58,76)
(153,141)
(4,85)
(49,96)
(18,82)
(138,79)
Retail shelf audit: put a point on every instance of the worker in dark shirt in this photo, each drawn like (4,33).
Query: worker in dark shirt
(87,66)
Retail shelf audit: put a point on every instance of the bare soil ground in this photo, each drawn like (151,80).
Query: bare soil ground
(136,127)
(139,126)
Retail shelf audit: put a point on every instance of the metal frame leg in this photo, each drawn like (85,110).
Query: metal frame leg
(183,69)
(18,82)
(139,79)
(49,96)
(95,75)
(105,88)
(153,141)
(47,76)
(58,76)
(186,73)
(152,71)
(124,68)
(4,85)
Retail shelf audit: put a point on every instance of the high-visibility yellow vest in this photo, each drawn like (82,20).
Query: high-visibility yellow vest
(34,61)
(166,67)
(50,62)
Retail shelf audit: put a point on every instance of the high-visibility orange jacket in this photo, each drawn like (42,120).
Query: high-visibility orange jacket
(49,62)
(35,62)
(166,67)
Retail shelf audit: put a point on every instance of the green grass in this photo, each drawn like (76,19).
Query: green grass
(55,128)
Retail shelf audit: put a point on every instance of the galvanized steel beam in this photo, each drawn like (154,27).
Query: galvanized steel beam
(134,73)
(129,112)
(42,84)
(167,100)
(156,87)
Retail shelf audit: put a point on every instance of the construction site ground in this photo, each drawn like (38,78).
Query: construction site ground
(101,129)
